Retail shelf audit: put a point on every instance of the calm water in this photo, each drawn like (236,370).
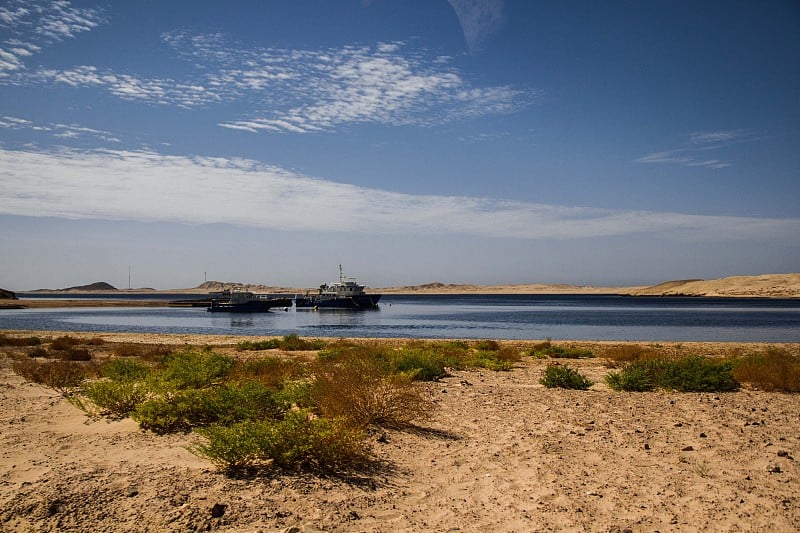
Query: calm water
(473,316)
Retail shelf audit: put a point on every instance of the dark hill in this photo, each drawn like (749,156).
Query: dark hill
(97,286)
(7,295)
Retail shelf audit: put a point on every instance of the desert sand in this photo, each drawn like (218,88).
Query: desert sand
(501,453)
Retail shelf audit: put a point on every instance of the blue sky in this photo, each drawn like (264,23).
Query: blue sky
(463,141)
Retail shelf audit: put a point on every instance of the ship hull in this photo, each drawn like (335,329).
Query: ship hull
(253,306)
(362,301)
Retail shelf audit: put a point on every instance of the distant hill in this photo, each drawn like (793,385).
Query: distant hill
(7,295)
(96,286)
(764,285)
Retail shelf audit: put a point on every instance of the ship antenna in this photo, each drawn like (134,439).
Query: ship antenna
(341,274)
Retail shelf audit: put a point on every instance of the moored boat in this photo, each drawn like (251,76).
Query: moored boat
(241,301)
(343,294)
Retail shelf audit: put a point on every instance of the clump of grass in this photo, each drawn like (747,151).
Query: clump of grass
(271,371)
(293,342)
(149,352)
(687,374)
(362,390)
(269,344)
(498,360)
(621,354)
(37,351)
(194,368)
(73,353)
(564,377)
(59,375)
(6,340)
(299,441)
(117,398)
(487,345)
(545,350)
(64,343)
(774,370)
(125,370)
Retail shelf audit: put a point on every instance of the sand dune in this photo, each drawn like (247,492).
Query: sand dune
(766,285)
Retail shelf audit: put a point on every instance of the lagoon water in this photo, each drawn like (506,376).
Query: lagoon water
(595,317)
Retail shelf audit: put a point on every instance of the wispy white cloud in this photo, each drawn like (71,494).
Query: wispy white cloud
(317,90)
(148,186)
(287,91)
(31,24)
(697,142)
(61,131)
(479,19)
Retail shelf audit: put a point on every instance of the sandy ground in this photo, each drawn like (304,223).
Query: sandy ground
(502,453)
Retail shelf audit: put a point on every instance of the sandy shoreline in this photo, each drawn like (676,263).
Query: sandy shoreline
(501,453)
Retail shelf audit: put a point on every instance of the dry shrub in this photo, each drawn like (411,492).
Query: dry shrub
(270,371)
(63,343)
(75,354)
(775,370)
(37,351)
(94,341)
(361,390)
(6,340)
(59,375)
(621,354)
(149,352)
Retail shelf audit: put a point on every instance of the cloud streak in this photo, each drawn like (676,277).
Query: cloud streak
(697,143)
(147,186)
(479,19)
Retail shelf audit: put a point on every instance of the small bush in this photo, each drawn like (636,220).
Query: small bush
(422,364)
(625,353)
(75,354)
(148,352)
(94,341)
(270,344)
(293,342)
(118,398)
(271,371)
(59,375)
(6,340)
(37,351)
(192,408)
(195,368)
(125,370)
(487,345)
(559,352)
(564,377)
(363,391)
(500,359)
(688,374)
(775,370)
(300,441)
(64,343)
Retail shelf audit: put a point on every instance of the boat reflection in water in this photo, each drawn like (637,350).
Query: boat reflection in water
(343,294)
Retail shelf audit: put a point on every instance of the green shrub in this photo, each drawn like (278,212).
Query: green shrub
(125,370)
(487,345)
(271,371)
(150,352)
(559,352)
(564,377)
(421,364)
(775,370)
(293,342)
(299,441)
(228,404)
(491,360)
(195,368)
(688,374)
(269,344)
(118,398)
